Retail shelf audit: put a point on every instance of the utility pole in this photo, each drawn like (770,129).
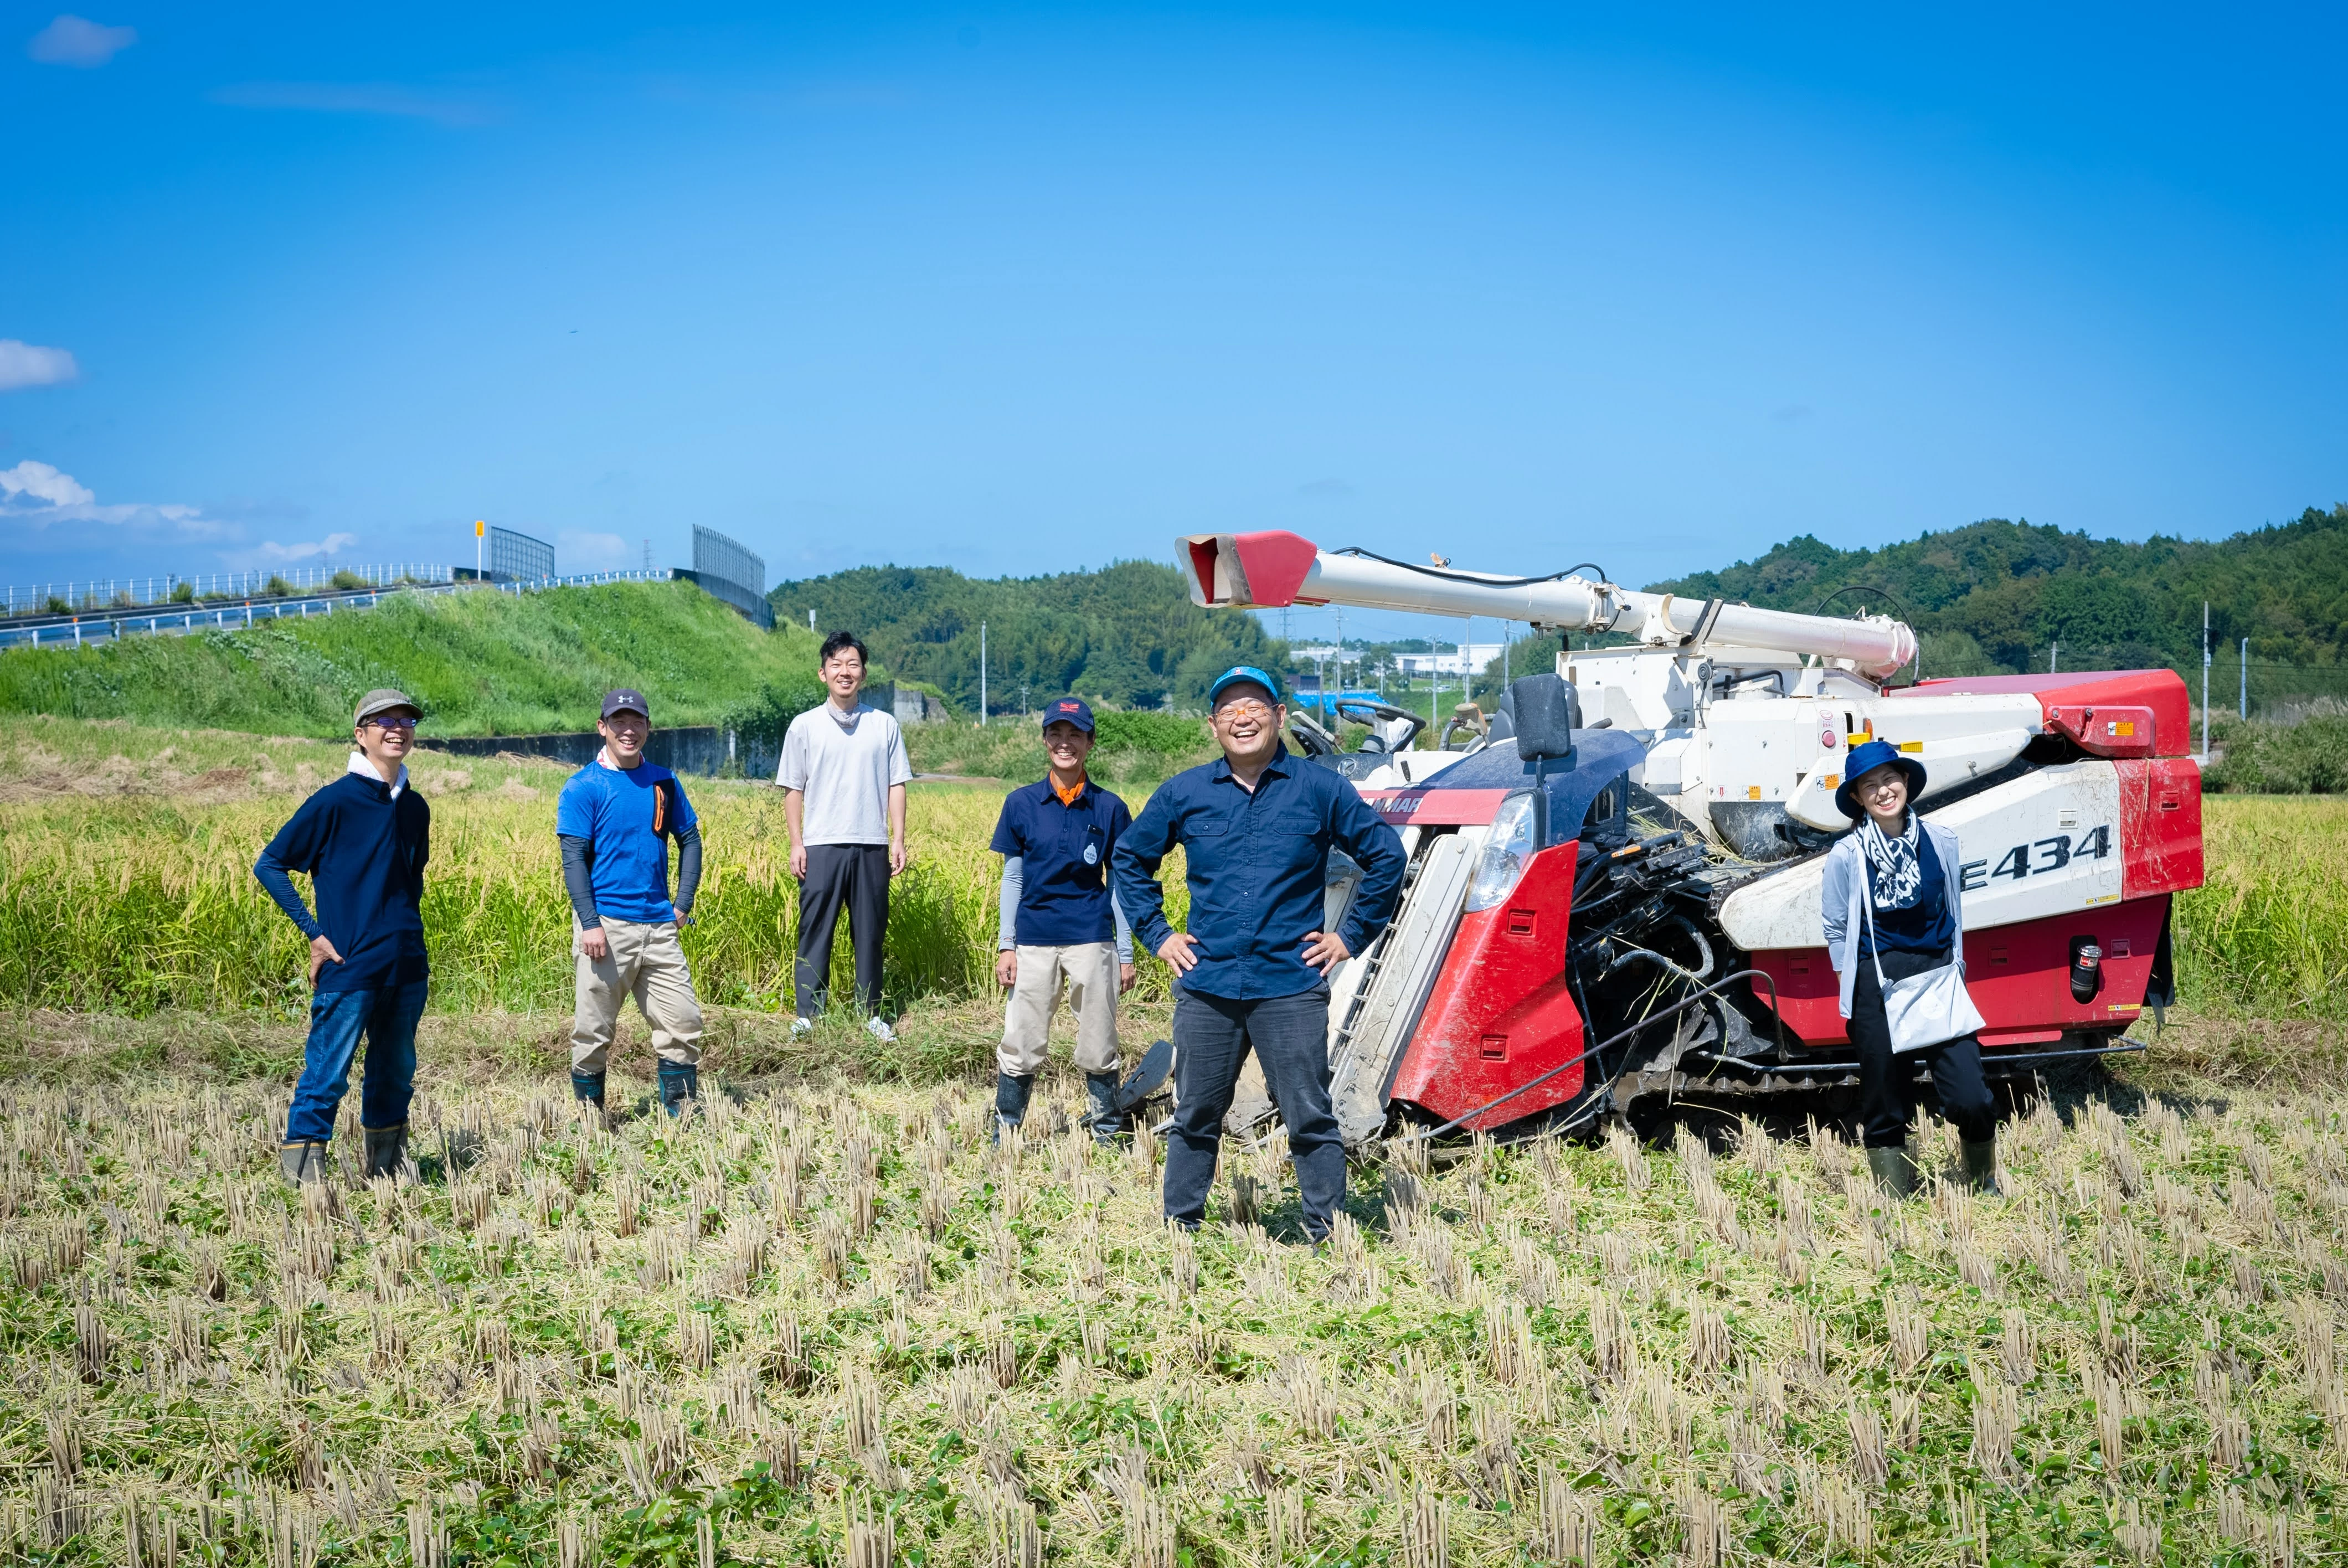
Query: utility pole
(2205,677)
(982,674)
(1504,635)
(2246,677)
(479,529)
(2053,648)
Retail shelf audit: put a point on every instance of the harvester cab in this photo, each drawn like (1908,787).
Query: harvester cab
(1634,909)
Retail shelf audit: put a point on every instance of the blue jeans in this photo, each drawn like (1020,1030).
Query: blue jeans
(1290,1036)
(387,1017)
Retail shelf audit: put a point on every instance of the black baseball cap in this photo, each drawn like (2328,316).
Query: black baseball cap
(1069,711)
(626,700)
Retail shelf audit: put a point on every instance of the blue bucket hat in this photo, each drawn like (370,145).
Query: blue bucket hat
(1864,760)
(1237,673)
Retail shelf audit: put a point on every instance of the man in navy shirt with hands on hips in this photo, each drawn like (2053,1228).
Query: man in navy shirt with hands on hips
(363,841)
(1060,923)
(615,820)
(1256,829)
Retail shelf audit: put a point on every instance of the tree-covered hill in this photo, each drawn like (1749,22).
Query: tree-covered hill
(1994,595)
(1126,634)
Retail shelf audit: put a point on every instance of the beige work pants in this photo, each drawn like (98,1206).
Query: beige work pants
(646,962)
(1089,970)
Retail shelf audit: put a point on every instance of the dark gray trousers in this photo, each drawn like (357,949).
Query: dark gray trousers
(856,876)
(1290,1036)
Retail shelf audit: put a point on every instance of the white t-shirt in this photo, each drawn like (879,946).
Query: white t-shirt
(846,764)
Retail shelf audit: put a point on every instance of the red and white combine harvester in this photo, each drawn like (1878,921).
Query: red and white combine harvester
(1615,895)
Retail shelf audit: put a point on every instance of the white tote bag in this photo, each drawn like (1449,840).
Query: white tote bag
(1927,1010)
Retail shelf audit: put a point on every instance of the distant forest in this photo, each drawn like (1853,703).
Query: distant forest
(1989,597)
(1994,595)
(1126,634)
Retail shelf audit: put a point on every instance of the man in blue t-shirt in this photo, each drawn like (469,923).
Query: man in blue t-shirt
(615,821)
(1059,921)
(363,841)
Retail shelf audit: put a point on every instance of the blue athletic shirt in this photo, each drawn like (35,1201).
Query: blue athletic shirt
(1064,851)
(615,811)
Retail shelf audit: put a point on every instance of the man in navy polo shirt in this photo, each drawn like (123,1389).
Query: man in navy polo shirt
(1256,830)
(615,820)
(363,841)
(1059,920)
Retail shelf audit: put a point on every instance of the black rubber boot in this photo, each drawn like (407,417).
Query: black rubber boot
(1010,1101)
(1894,1171)
(1107,1120)
(588,1086)
(679,1082)
(386,1151)
(1981,1166)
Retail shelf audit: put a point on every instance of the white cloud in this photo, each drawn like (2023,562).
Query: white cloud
(29,364)
(271,553)
(43,482)
(36,495)
(79,42)
(357,97)
(578,552)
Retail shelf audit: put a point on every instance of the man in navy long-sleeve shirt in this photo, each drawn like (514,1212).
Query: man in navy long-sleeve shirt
(364,841)
(1252,971)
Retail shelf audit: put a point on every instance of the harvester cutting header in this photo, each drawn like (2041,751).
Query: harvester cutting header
(1616,894)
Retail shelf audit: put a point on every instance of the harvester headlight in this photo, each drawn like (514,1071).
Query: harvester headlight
(1505,852)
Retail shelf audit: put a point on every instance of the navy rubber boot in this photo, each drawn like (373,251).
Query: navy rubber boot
(1010,1101)
(679,1081)
(1102,1090)
(588,1086)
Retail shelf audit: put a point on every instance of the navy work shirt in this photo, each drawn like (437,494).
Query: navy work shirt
(364,853)
(1063,852)
(1258,869)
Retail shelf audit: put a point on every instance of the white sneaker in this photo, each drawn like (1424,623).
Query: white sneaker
(878,1028)
(800,1026)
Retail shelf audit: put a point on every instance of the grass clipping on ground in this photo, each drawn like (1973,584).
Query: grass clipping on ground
(833,1324)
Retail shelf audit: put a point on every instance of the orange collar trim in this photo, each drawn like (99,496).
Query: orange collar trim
(1067,796)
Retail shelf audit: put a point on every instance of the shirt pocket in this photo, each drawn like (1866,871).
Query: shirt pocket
(1295,823)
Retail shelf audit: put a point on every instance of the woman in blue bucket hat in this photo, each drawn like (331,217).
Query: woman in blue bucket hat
(1893,911)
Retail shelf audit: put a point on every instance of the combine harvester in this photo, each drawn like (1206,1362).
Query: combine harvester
(1615,896)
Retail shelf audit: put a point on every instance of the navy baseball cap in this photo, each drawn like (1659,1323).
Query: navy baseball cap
(1237,673)
(626,700)
(1865,759)
(1069,711)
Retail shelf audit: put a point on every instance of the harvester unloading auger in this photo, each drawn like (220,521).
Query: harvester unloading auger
(1616,895)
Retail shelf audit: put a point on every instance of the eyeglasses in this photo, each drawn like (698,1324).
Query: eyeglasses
(1244,708)
(393,721)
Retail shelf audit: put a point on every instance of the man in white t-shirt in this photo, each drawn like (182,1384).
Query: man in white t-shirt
(843,773)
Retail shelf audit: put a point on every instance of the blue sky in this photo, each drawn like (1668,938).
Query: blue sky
(1017,290)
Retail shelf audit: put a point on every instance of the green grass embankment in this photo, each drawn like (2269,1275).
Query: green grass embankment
(482,665)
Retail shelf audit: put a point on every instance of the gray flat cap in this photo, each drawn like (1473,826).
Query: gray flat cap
(383,700)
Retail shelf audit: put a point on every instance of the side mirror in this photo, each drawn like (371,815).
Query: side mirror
(1546,709)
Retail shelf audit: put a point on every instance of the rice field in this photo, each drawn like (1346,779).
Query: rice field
(834,1326)
(126,886)
(825,1321)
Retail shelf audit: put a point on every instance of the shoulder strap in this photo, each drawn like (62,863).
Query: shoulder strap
(1867,907)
